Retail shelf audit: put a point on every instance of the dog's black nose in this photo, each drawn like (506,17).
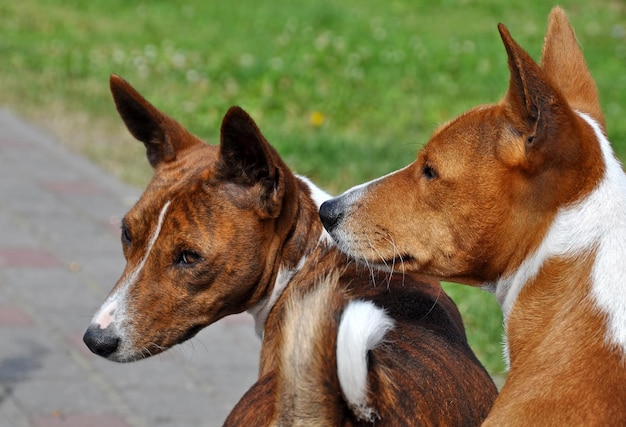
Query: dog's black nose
(330,214)
(102,342)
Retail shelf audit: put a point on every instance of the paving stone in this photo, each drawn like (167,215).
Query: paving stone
(27,257)
(78,420)
(12,316)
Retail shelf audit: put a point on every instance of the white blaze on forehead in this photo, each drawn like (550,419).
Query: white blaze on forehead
(115,304)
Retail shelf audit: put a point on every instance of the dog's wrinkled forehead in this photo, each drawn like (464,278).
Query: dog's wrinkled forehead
(194,165)
(178,179)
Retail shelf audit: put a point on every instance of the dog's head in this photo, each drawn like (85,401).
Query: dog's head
(484,189)
(201,242)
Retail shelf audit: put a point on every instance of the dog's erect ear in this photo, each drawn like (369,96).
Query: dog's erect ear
(530,97)
(163,136)
(246,158)
(564,65)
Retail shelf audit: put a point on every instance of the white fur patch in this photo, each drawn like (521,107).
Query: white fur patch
(113,309)
(362,328)
(261,310)
(609,216)
(319,196)
(596,222)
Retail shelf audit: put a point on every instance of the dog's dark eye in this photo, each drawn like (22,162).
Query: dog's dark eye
(187,258)
(429,172)
(126,237)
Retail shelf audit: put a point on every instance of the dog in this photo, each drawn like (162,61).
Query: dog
(228,228)
(524,198)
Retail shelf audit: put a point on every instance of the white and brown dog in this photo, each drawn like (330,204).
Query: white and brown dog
(229,228)
(525,198)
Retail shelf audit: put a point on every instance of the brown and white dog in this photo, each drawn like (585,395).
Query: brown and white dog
(229,228)
(525,198)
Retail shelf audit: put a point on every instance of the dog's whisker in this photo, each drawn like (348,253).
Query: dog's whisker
(373,247)
(432,307)
(369,266)
(396,254)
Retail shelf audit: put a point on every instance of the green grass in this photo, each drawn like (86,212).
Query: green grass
(382,75)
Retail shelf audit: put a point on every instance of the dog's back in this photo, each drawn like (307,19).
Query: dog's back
(360,346)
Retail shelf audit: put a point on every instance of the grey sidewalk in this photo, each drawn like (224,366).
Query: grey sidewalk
(59,257)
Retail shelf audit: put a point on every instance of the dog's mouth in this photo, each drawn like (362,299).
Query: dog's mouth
(156,346)
(374,259)
(396,263)
(191,332)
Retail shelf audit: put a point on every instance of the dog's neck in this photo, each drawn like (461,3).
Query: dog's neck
(593,232)
(307,234)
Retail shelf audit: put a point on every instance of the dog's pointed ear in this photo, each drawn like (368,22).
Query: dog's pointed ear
(162,136)
(247,158)
(531,100)
(564,65)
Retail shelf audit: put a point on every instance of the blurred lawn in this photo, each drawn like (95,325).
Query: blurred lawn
(346,91)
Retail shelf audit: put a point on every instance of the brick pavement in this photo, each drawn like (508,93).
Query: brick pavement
(59,257)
